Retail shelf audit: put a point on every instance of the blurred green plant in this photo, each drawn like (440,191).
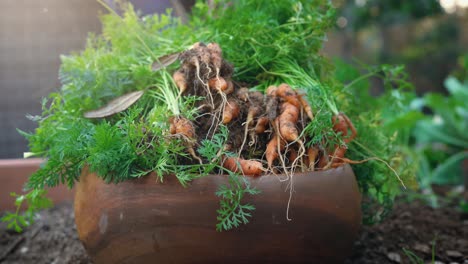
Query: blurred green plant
(386,12)
(442,137)
(392,112)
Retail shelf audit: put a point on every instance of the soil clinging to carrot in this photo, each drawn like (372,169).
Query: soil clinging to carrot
(265,129)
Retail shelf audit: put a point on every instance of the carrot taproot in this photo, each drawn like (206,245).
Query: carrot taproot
(288,94)
(289,112)
(337,157)
(289,131)
(273,149)
(271,107)
(231,111)
(253,111)
(271,90)
(312,154)
(342,124)
(322,159)
(246,167)
(218,84)
(229,88)
(287,122)
(306,106)
(243,94)
(180,81)
(216,55)
(261,125)
(183,127)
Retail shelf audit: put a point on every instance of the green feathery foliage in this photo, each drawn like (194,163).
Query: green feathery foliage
(268,42)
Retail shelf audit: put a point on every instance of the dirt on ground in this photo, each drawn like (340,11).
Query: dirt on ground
(412,227)
(407,236)
(51,239)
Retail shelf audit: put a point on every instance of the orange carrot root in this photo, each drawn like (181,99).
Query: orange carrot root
(306,106)
(271,152)
(287,122)
(216,55)
(322,159)
(246,167)
(243,94)
(338,155)
(182,126)
(312,154)
(231,111)
(185,128)
(179,80)
(218,84)
(271,90)
(288,94)
(342,123)
(262,124)
(230,87)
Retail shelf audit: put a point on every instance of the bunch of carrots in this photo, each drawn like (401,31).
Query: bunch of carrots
(265,128)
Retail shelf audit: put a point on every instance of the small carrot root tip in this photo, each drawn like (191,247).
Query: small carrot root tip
(246,167)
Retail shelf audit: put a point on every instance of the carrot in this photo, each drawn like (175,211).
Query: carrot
(342,123)
(231,111)
(256,98)
(172,128)
(230,87)
(218,84)
(272,107)
(180,81)
(289,112)
(261,125)
(338,156)
(322,159)
(182,126)
(216,55)
(288,94)
(246,167)
(271,90)
(288,131)
(185,128)
(243,94)
(287,122)
(312,154)
(271,153)
(306,106)
(253,111)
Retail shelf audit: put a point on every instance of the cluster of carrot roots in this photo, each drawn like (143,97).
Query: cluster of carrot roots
(265,129)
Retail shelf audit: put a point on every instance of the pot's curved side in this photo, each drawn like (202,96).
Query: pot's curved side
(145,221)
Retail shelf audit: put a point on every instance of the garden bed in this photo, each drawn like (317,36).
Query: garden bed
(414,226)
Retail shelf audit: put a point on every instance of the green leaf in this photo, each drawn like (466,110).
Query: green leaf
(232,212)
(456,88)
(449,171)
(437,133)
(405,120)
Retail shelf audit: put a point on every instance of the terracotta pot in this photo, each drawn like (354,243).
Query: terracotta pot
(145,221)
(15,172)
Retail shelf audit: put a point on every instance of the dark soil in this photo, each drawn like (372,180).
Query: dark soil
(414,227)
(53,238)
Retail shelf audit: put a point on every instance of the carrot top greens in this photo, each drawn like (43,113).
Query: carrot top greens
(268,43)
